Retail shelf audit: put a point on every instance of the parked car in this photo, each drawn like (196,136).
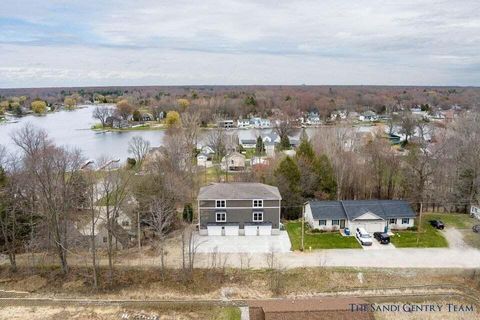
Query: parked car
(382,237)
(364,237)
(476,228)
(437,224)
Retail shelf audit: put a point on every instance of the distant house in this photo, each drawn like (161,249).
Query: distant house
(259,161)
(207,150)
(373,215)
(116,122)
(243,124)
(239,208)
(271,137)
(146,117)
(260,123)
(312,119)
(248,143)
(204,160)
(226,124)
(368,116)
(122,229)
(233,161)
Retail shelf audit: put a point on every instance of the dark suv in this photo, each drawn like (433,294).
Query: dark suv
(382,237)
(437,224)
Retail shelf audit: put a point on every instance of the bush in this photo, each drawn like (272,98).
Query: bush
(414,228)
(317,231)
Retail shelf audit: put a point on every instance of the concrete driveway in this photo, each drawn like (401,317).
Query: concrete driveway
(245,244)
(378,246)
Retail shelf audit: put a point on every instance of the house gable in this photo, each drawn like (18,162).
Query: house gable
(368,216)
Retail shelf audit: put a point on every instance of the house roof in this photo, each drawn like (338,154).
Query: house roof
(248,141)
(239,191)
(352,209)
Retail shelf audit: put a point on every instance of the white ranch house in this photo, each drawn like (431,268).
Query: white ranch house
(373,215)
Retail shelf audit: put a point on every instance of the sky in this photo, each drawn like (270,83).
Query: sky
(58,43)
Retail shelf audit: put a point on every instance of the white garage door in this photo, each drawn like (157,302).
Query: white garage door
(214,230)
(373,226)
(231,230)
(265,230)
(250,230)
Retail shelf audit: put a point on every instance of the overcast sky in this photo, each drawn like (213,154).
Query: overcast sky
(154,42)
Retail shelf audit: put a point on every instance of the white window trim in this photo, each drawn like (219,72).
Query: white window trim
(253,216)
(216,202)
(390,221)
(336,224)
(408,220)
(324,224)
(216,216)
(253,203)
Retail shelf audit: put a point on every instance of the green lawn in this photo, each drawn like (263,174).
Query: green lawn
(227,313)
(426,237)
(462,222)
(326,240)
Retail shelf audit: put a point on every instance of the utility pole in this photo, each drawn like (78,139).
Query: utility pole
(303,227)
(419,222)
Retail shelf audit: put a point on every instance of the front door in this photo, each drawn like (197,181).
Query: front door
(342,224)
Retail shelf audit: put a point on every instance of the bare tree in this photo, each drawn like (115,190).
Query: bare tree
(54,172)
(113,188)
(190,244)
(139,147)
(101,113)
(216,139)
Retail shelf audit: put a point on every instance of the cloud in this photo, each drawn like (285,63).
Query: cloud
(230,41)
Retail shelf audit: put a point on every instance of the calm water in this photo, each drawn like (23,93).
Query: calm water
(72,129)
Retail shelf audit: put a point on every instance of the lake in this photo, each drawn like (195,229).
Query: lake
(72,129)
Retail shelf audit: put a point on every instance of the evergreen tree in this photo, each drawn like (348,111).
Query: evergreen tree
(259,147)
(305,149)
(287,175)
(284,143)
(327,184)
(188,213)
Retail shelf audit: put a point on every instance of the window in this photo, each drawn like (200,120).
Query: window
(258,203)
(322,222)
(104,239)
(220,203)
(221,217)
(335,222)
(257,216)
(393,221)
(405,221)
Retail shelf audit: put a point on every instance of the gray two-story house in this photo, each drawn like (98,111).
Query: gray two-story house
(239,208)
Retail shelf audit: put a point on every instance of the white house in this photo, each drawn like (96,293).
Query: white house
(233,161)
(243,124)
(368,116)
(204,160)
(373,215)
(260,123)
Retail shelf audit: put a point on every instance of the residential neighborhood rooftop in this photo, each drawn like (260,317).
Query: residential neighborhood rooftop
(239,191)
(352,209)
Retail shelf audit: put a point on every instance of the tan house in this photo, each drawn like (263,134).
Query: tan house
(233,161)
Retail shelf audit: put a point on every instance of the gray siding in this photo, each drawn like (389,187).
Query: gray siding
(239,216)
(237,203)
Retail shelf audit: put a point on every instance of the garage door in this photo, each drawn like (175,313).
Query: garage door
(373,226)
(250,230)
(231,230)
(214,230)
(265,230)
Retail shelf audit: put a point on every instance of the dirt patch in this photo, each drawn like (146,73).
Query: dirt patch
(30,284)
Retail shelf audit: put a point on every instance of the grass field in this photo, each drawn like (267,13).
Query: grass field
(462,222)
(326,240)
(426,237)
